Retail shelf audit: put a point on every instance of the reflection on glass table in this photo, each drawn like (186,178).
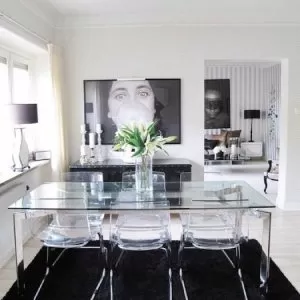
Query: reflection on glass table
(193,195)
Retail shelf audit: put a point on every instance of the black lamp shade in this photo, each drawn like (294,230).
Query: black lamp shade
(23,113)
(251,114)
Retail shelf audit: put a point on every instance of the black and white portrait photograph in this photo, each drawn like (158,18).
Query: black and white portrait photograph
(217,103)
(113,103)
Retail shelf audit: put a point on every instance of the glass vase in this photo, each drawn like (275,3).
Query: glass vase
(143,174)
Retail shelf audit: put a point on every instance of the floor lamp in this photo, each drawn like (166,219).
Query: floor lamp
(251,114)
(22,114)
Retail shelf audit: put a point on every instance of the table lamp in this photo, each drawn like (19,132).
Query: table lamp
(251,114)
(21,114)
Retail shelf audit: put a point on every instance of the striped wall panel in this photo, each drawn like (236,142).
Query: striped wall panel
(249,89)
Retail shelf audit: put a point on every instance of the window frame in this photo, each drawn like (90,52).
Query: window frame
(14,57)
(4,53)
(22,60)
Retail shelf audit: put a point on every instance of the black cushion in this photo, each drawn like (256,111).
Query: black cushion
(210,144)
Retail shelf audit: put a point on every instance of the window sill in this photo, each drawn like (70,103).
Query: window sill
(8,175)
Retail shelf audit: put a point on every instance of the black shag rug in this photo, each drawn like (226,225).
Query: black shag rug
(144,275)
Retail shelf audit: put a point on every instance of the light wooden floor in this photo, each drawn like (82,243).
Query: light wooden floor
(285,241)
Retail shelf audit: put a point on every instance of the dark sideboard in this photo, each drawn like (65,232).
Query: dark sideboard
(112,169)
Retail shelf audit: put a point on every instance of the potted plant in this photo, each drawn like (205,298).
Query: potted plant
(144,140)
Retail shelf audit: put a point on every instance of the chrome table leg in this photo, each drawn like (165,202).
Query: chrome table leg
(111,284)
(18,237)
(265,253)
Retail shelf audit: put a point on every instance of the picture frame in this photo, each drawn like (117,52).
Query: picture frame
(110,102)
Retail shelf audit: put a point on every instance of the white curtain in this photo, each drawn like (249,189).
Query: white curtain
(58,144)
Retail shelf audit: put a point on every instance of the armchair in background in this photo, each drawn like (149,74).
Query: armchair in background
(271,174)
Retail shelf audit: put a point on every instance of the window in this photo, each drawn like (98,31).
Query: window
(20,82)
(15,85)
(4,90)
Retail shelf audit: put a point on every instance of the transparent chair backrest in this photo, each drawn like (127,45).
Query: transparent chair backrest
(159,181)
(149,219)
(185,176)
(76,224)
(214,221)
(92,180)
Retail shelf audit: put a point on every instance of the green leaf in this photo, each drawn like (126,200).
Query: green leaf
(138,152)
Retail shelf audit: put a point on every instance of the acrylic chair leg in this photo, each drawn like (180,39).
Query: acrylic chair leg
(119,258)
(46,273)
(181,247)
(111,266)
(48,268)
(111,284)
(103,249)
(168,253)
(229,259)
(103,254)
(239,270)
(182,283)
(238,257)
(180,252)
(170,284)
(99,284)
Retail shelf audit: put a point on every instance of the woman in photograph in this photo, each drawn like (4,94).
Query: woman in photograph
(131,101)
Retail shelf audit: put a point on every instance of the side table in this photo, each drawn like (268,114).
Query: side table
(252,149)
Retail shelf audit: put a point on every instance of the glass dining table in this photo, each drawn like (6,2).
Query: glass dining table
(113,198)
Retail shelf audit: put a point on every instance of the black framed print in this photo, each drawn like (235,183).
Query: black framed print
(113,103)
(217,103)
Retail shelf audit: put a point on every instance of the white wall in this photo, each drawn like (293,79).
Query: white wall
(180,51)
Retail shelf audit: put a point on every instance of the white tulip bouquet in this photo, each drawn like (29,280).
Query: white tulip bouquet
(144,139)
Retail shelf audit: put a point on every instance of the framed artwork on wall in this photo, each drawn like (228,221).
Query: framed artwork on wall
(217,103)
(113,103)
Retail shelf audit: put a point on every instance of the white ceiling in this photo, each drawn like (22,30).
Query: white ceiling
(118,12)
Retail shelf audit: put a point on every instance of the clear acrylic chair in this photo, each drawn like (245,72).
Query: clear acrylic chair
(70,229)
(128,181)
(212,230)
(142,231)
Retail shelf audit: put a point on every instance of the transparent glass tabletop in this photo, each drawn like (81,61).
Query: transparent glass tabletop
(110,196)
